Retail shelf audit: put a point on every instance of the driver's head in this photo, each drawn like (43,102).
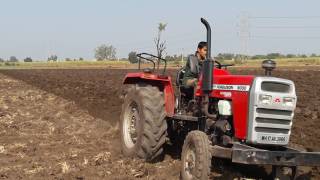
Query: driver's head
(202,49)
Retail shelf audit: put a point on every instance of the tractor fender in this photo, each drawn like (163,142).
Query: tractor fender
(163,82)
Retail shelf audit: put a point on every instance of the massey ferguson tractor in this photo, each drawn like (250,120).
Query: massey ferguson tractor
(243,118)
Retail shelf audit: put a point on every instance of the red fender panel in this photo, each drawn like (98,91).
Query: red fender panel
(162,82)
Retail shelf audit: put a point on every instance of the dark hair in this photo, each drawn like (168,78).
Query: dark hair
(202,44)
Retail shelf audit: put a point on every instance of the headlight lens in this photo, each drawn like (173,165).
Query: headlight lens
(288,101)
(265,99)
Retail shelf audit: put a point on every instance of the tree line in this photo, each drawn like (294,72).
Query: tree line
(230,56)
(108,52)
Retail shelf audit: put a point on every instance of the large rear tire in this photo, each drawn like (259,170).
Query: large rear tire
(196,157)
(142,122)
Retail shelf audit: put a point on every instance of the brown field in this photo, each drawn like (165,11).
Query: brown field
(63,124)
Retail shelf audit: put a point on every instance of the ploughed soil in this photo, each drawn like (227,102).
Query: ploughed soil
(63,124)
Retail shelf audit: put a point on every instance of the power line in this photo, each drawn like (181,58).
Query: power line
(286,27)
(284,17)
(286,37)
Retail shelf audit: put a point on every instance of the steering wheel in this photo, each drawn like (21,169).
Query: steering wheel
(219,64)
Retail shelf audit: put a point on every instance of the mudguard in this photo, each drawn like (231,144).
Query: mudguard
(163,82)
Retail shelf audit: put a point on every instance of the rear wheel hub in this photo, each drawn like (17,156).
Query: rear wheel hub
(130,126)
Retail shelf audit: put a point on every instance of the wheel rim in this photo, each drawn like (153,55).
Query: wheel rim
(130,125)
(190,162)
(176,103)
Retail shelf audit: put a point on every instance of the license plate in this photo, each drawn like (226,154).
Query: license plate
(274,139)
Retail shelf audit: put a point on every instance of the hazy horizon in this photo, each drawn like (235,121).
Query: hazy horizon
(74,28)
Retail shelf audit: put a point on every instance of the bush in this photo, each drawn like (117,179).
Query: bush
(8,63)
(53,58)
(176,62)
(132,57)
(13,59)
(240,59)
(225,56)
(28,59)
(105,52)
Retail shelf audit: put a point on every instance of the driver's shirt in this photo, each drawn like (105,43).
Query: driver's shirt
(192,68)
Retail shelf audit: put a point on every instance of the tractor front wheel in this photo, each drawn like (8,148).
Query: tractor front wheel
(196,157)
(143,126)
(284,173)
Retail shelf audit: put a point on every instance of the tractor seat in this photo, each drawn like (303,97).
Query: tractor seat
(180,76)
(185,91)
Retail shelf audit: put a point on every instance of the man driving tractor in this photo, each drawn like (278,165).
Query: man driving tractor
(193,65)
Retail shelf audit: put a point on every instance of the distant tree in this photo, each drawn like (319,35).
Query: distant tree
(175,57)
(160,45)
(27,59)
(304,56)
(80,59)
(132,57)
(53,58)
(274,55)
(225,56)
(258,57)
(68,59)
(291,56)
(168,58)
(313,55)
(105,52)
(240,58)
(2,60)
(13,59)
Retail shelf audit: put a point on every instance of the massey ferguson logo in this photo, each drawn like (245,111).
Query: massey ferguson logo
(277,100)
(231,87)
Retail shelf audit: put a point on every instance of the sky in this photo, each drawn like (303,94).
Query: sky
(74,28)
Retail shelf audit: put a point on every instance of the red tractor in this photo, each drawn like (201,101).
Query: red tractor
(246,119)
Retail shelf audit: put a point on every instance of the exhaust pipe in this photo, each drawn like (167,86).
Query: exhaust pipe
(207,73)
(208,64)
(206,24)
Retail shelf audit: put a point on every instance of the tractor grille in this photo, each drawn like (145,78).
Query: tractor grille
(265,112)
(272,130)
(275,87)
(270,123)
(273,121)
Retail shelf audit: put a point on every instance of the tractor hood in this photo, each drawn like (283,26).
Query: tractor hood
(224,81)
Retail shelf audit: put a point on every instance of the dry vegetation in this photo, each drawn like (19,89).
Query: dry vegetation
(311,61)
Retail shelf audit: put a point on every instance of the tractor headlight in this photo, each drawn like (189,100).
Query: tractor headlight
(265,99)
(288,101)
